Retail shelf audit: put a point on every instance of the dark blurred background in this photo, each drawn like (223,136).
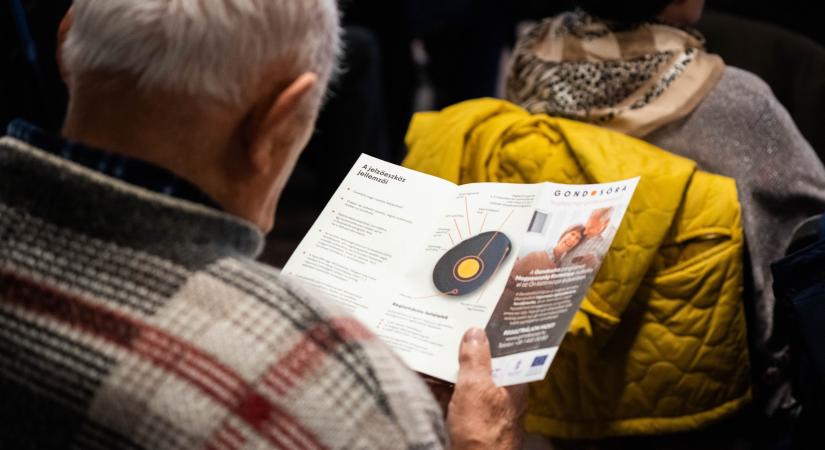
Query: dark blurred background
(407,55)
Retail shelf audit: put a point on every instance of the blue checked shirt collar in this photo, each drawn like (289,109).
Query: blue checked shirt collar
(129,170)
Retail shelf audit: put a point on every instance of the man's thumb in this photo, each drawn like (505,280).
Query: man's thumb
(474,355)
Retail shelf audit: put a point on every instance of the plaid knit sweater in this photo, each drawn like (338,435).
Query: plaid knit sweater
(131,319)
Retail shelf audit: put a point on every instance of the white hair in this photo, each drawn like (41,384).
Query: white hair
(213,48)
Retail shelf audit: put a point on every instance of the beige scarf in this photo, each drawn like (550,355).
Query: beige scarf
(632,79)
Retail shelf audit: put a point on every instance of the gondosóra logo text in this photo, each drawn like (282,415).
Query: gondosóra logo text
(582,193)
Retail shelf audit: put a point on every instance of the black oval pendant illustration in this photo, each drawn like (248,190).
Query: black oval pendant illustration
(471,263)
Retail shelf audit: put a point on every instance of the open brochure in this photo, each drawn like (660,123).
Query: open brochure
(419,260)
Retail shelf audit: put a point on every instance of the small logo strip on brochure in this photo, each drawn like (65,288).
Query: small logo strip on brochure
(539,361)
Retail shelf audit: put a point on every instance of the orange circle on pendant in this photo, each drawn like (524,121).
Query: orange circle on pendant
(468,268)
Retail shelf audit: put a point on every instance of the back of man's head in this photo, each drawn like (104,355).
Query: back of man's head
(223,93)
(215,49)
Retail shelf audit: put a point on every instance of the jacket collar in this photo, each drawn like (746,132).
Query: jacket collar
(70,195)
(130,170)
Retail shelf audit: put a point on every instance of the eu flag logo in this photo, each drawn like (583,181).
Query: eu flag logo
(539,361)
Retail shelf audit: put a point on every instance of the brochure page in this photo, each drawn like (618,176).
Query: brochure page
(355,246)
(456,274)
(419,260)
(559,256)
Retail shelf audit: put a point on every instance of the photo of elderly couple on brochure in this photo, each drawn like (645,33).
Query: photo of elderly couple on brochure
(555,266)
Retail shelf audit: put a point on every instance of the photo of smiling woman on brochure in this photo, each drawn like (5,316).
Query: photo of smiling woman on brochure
(552,258)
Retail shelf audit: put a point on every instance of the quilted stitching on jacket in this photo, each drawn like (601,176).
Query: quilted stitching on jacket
(659,344)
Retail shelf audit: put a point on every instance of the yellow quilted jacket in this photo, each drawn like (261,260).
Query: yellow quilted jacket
(659,344)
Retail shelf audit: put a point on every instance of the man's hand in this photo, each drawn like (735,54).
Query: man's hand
(482,415)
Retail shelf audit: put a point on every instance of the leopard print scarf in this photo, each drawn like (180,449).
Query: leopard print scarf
(632,79)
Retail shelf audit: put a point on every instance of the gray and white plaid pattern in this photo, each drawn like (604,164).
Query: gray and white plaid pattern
(180,342)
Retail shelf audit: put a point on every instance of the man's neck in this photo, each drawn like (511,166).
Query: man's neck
(191,140)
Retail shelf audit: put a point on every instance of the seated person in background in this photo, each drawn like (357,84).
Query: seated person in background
(637,67)
(552,258)
(132,312)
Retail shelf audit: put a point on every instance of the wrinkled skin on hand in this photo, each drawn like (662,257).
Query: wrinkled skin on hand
(480,415)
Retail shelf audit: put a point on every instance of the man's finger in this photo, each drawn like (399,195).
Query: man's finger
(474,356)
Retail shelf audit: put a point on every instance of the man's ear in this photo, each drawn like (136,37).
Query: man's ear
(62,34)
(279,122)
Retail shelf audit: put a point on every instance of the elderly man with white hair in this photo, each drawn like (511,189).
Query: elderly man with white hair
(132,312)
